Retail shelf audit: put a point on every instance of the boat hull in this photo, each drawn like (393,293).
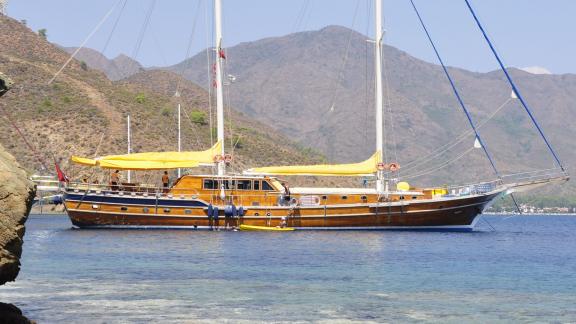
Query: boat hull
(445,214)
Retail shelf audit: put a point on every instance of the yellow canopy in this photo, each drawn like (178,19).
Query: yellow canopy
(153,160)
(364,168)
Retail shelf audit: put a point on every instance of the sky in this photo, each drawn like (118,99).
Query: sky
(526,33)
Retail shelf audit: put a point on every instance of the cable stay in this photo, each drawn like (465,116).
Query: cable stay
(514,87)
(456,93)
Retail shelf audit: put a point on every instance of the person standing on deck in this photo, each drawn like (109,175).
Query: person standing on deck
(165,182)
(286,195)
(115,180)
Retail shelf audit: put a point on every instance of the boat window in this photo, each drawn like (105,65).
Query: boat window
(256,184)
(414,197)
(344,197)
(187,211)
(363,197)
(145,209)
(210,184)
(124,208)
(324,197)
(166,210)
(244,184)
(401,197)
(229,184)
(266,186)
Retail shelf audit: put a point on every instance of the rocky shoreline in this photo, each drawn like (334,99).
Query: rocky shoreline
(16,197)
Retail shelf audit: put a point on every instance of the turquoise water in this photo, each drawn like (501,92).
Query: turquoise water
(525,271)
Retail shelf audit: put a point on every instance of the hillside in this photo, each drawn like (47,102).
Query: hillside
(291,82)
(83,113)
(115,69)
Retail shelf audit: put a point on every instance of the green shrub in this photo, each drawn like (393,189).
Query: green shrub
(83,66)
(47,103)
(198,117)
(140,98)
(43,33)
(166,112)
(66,99)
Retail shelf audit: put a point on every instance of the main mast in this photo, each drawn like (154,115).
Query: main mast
(378,91)
(219,86)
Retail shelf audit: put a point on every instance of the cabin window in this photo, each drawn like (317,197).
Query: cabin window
(124,208)
(145,210)
(324,197)
(344,197)
(229,184)
(187,211)
(266,186)
(255,203)
(210,184)
(256,185)
(95,206)
(364,198)
(401,198)
(166,210)
(414,197)
(256,214)
(244,185)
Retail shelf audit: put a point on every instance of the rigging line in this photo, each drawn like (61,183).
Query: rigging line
(390,119)
(192,126)
(300,16)
(189,46)
(441,166)
(114,27)
(344,59)
(456,93)
(13,123)
(513,85)
(444,148)
(85,41)
(142,33)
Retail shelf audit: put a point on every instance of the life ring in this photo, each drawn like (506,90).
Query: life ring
(217,158)
(394,167)
(227,158)
(381,166)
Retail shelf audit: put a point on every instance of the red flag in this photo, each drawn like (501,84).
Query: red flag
(222,54)
(61,176)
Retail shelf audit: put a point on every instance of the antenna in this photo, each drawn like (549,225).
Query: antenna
(3,6)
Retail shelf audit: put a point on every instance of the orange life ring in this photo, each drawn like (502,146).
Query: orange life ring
(381,166)
(394,167)
(227,158)
(217,158)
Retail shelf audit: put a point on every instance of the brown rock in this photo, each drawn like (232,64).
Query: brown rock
(16,197)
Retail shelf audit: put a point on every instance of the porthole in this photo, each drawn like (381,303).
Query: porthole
(324,197)
(166,210)
(256,214)
(401,198)
(123,208)
(268,214)
(95,206)
(364,198)
(145,209)
(344,197)
(187,211)
(414,197)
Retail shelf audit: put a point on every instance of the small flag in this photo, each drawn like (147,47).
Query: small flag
(513,95)
(222,54)
(61,176)
(477,143)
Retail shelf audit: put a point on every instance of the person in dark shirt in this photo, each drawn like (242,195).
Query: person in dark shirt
(165,182)
(115,180)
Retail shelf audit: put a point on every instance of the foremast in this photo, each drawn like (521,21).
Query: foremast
(219,84)
(380,187)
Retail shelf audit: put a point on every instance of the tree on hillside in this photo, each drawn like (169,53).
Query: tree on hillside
(43,33)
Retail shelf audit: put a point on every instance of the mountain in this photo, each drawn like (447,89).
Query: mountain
(118,68)
(84,113)
(314,88)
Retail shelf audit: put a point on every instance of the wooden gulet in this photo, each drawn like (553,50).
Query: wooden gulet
(258,199)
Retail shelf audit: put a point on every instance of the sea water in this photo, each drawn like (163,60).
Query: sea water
(523,271)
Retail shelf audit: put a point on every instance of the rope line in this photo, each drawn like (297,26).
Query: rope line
(456,93)
(114,27)
(441,166)
(446,147)
(85,41)
(142,33)
(513,85)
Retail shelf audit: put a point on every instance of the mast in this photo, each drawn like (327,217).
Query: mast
(378,90)
(129,144)
(179,138)
(219,85)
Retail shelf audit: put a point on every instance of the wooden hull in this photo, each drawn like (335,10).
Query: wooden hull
(460,213)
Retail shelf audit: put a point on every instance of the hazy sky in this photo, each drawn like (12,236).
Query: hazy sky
(526,32)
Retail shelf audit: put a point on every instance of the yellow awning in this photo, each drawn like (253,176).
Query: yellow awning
(153,160)
(368,167)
